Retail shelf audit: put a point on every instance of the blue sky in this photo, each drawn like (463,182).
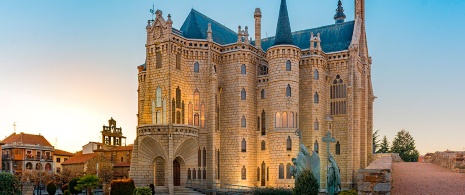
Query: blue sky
(66,67)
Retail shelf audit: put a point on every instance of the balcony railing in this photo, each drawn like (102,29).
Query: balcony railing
(6,156)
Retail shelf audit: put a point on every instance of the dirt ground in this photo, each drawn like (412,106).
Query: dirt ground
(426,178)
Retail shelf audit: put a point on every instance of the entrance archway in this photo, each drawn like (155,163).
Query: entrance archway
(176,173)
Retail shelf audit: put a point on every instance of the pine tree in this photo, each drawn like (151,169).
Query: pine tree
(375,141)
(384,146)
(404,144)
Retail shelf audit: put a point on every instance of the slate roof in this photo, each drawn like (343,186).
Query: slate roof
(79,159)
(196,25)
(26,139)
(283,29)
(59,152)
(335,37)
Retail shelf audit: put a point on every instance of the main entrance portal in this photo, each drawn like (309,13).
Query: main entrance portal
(176,173)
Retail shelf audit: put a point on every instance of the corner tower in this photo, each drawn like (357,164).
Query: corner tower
(283,61)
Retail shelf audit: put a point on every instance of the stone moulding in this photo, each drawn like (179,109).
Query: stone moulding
(167,129)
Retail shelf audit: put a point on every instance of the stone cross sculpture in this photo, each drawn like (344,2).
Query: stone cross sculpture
(304,161)
(333,178)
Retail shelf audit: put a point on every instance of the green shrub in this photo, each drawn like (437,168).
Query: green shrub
(348,192)
(72,184)
(306,183)
(272,191)
(9,184)
(66,192)
(142,191)
(122,187)
(51,187)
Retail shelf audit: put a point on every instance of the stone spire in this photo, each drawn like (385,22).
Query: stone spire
(339,16)
(283,29)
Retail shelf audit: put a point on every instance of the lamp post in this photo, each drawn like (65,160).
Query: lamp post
(40,176)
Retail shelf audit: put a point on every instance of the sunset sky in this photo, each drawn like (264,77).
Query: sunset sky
(66,67)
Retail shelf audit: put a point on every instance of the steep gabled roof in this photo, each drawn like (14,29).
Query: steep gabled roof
(26,139)
(196,25)
(59,152)
(79,159)
(335,37)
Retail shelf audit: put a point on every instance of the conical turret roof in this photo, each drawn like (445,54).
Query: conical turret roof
(283,29)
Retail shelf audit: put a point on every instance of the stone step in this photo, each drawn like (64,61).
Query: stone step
(178,190)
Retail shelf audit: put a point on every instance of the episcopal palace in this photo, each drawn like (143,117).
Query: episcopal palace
(220,105)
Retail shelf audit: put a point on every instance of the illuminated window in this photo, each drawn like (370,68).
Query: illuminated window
(288,65)
(196,67)
(243,69)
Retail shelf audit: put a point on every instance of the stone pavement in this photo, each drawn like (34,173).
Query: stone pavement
(426,178)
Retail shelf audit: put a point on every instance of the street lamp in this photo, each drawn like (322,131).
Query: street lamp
(40,176)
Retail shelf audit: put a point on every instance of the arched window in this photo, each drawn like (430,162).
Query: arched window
(189,176)
(196,67)
(267,173)
(194,174)
(288,65)
(258,123)
(278,119)
(38,166)
(316,125)
(263,145)
(243,121)
(243,173)
(218,163)
(288,171)
(243,145)
(291,120)
(190,110)
(315,146)
(258,173)
(178,117)
(196,119)
(288,143)
(48,167)
(243,94)
(196,100)
(158,97)
(243,69)
(288,91)
(337,92)
(316,98)
(202,115)
(316,74)
(29,165)
(204,159)
(204,175)
(284,124)
(263,122)
(262,94)
(281,171)
(178,97)
(199,172)
(338,148)
(199,157)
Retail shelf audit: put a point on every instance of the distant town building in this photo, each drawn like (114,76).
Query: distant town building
(78,163)
(112,135)
(60,156)
(23,151)
(90,147)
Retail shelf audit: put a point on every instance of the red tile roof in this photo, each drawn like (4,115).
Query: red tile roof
(62,153)
(79,159)
(26,139)
(122,148)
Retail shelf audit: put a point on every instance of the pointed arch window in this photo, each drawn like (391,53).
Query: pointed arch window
(338,93)
(189,176)
(263,122)
(316,125)
(243,94)
(202,115)
(291,120)
(288,91)
(258,173)
(316,98)
(288,65)
(199,157)
(258,123)
(204,175)
(178,97)
(158,97)
(288,143)
(338,148)
(194,174)
(196,100)
(281,171)
(315,146)
(262,94)
(316,75)
(204,159)
(218,163)
(243,173)
(190,110)
(196,67)
(284,124)
(243,121)
(199,172)
(288,171)
(263,145)
(243,145)
(278,119)
(243,69)
(178,117)
(196,119)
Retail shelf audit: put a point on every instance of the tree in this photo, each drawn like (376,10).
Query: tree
(87,182)
(72,184)
(306,183)
(51,188)
(384,146)
(375,140)
(9,184)
(404,144)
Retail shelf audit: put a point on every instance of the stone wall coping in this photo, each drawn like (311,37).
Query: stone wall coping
(382,163)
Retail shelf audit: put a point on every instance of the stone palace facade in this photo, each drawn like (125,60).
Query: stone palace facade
(215,105)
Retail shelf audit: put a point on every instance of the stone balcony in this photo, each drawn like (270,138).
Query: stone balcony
(174,129)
